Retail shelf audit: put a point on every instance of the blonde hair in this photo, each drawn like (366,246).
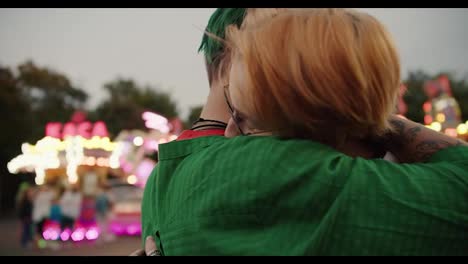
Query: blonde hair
(326,74)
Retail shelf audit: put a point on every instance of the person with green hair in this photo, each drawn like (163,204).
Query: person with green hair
(215,113)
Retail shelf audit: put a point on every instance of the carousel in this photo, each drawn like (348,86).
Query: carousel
(80,154)
(77,154)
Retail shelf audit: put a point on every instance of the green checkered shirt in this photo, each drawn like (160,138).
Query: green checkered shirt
(266,196)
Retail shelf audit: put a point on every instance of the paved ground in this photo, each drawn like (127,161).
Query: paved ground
(10,246)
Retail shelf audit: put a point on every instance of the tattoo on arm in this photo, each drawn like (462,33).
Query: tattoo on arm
(398,126)
(425,149)
(407,136)
(398,129)
(409,145)
(412,133)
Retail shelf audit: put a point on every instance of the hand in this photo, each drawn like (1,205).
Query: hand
(150,249)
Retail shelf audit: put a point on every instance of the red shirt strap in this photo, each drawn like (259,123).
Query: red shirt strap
(190,134)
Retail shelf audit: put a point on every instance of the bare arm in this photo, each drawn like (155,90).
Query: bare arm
(412,142)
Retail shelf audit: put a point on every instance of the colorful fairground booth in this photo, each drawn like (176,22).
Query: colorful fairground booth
(77,152)
(442,112)
(81,153)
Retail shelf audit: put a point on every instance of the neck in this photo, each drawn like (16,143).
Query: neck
(215,107)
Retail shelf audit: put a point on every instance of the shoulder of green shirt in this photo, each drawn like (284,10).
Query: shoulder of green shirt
(266,151)
(175,149)
(455,153)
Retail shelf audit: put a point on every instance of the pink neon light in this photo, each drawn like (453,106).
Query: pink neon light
(100,129)
(54,234)
(53,130)
(84,129)
(65,235)
(155,121)
(46,234)
(126,228)
(117,229)
(92,234)
(144,170)
(127,167)
(51,233)
(78,235)
(69,129)
(133,230)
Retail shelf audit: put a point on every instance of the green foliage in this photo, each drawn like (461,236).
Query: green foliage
(50,95)
(127,101)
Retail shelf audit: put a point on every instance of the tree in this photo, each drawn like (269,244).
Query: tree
(28,100)
(50,94)
(127,101)
(15,112)
(415,96)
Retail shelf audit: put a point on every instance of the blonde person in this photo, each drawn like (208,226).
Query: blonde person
(275,196)
(332,76)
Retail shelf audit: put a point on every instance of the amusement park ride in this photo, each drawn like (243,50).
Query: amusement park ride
(442,112)
(80,153)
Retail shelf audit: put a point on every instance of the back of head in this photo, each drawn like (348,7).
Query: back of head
(326,74)
(217,57)
(213,48)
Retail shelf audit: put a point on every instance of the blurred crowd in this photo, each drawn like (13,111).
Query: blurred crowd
(41,206)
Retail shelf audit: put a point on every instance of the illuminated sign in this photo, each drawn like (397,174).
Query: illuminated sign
(85,129)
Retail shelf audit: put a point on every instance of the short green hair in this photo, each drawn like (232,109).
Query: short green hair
(219,21)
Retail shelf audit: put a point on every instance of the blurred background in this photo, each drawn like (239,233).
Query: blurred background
(87,95)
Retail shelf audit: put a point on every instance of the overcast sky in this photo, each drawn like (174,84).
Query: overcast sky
(159,46)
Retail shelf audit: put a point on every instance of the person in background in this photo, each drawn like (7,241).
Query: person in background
(56,211)
(21,191)
(25,205)
(70,202)
(104,202)
(41,208)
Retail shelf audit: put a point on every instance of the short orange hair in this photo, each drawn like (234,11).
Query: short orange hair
(325,74)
